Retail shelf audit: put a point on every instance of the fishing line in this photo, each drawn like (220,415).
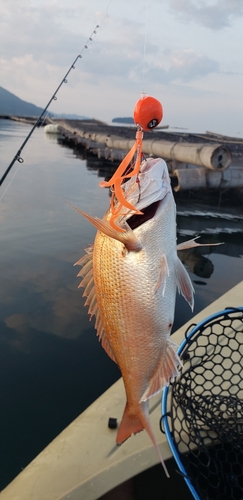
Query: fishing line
(10,182)
(107,8)
(145,45)
(40,119)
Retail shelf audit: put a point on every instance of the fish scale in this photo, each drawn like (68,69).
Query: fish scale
(135,318)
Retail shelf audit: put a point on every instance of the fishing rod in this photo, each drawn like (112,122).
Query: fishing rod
(38,122)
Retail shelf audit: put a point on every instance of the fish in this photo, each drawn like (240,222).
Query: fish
(130,276)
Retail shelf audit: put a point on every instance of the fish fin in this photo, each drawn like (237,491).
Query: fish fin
(123,234)
(134,422)
(103,338)
(163,273)
(167,370)
(89,291)
(184,283)
(91,302)
(107,348)
(87,269)
(130,424)
(88,281)
(126,237)
(85,258)
(193,244)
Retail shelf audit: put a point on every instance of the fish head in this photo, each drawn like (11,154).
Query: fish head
(149,191)
(150,186)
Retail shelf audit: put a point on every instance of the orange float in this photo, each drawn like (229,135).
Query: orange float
(148,112)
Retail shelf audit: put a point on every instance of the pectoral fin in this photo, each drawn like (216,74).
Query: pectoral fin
(184,283)
(125,235)
(193,244)
(163,273)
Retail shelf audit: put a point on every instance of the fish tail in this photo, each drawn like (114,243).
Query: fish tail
(132,423)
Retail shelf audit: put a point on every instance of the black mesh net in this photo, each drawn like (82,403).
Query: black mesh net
(205,406)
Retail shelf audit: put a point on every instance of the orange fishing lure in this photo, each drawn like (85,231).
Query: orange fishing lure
(148,113)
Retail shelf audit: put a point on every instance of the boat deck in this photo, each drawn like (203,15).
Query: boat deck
(83,462)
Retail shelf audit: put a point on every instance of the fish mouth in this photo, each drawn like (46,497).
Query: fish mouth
(148,213)
(147,192)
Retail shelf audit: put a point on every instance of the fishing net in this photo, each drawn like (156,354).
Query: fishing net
(202,410)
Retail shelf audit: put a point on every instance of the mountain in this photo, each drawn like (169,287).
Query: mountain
(11,105)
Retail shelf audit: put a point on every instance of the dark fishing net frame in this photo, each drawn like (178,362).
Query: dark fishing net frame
(202,410)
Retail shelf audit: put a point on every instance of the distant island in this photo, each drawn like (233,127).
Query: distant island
(128,119)
(11,105)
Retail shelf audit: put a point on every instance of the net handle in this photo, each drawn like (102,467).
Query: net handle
(172,446)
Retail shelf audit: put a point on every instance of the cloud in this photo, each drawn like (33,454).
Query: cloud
(187,65)
(49,31)
(48,45)
(122,62)
(183,66)
(213,14)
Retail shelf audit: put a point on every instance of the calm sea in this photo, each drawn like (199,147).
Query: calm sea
(51,364)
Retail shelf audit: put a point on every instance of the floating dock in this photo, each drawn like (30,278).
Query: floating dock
(195,161)
(209,161)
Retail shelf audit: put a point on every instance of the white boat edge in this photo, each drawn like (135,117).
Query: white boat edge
(83,462)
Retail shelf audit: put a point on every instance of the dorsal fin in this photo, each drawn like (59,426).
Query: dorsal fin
(89,292)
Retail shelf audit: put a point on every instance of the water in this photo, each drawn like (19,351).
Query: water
(52,366)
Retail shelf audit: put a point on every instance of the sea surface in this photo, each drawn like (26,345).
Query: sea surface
(51,363)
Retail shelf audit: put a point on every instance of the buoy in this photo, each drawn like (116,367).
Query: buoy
(148,112)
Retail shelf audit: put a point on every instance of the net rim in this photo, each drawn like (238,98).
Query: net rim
(189,334)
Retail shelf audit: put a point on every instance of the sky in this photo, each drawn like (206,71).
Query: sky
(186,53)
